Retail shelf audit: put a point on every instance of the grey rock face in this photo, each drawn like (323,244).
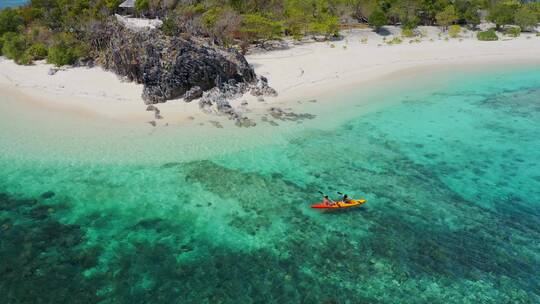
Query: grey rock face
(261,88)
(193,93)
(169,67)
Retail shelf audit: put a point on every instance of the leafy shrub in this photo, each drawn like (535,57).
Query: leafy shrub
(526,18)
(446,16)
(513,31)
(406,32)
(378,19)
(454,30)
(395,40)
(10,21)
(25,59)
(256,27)
(488,35)
(37,51)
(13,46)
(170,26)
(142,5)
(472,17)
(364,40)
(66,50)
(411,23)
(328,26)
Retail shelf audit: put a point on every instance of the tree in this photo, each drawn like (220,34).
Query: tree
(406,12)
(446,17)
(472,17)
(257,28)
(326,25)
(362,9)
(525,18)
(502,13)
(66,50)
(297,20)
(142,5)
(13,46)
(10,21)
(378,19)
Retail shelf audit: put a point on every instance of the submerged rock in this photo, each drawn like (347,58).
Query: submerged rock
(261,88)
(48,194)
(280,114)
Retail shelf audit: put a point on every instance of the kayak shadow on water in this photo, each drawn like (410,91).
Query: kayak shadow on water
(359,209)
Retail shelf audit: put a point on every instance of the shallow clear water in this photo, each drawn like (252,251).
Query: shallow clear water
(448,163)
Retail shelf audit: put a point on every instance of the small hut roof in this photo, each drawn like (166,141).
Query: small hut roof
(128,4)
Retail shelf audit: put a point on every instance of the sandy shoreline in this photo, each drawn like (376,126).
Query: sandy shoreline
(301,72)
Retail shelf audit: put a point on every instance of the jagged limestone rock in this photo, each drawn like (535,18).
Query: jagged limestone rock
(193,93)
(168,67)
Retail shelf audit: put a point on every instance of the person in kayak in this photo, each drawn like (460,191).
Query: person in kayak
(346,199)
(327,201)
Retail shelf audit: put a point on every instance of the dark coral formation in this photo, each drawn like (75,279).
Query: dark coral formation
(42,259)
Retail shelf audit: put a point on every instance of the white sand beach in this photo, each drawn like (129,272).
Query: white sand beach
(301,72)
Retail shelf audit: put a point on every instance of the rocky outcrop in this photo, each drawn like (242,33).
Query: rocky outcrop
(261,88)
(169,67)
(217,100)
(193,93)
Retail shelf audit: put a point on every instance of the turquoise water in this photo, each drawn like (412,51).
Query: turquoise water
(448,162)
(10,3)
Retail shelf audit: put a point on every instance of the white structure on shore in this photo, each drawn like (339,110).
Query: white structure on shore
(137,24)
(128,7)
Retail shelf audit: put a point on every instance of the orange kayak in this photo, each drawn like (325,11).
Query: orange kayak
(339,205)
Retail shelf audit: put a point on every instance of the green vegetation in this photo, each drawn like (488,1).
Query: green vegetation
(142,5)
(378,19)
(526,18)
(487,36)
(446,16)
(14,46)
(62,31)
(502,13)
(407,33)
(395,40)
(257,28)
(37,51)
(65,50)
(454,31)
(513,31)
(10,21)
